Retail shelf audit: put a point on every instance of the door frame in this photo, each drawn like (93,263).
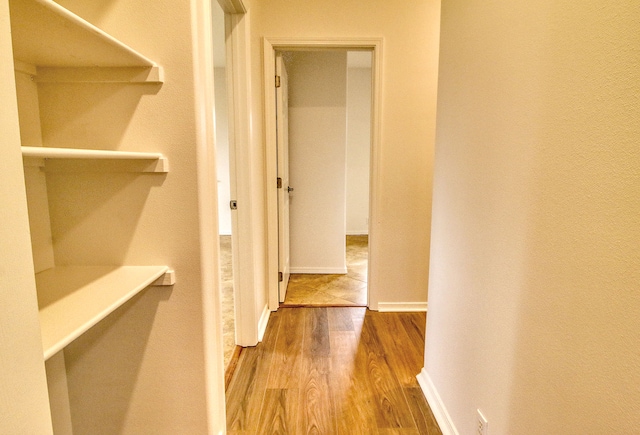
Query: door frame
(282,153)
(238,38)
(238,54)
(270,46)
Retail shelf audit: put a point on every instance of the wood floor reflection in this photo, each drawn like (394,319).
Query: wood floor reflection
(334,290)
(337,370)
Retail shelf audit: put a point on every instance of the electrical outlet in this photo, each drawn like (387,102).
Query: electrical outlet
(482,427)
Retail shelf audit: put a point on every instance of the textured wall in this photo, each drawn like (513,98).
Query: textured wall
(534,309)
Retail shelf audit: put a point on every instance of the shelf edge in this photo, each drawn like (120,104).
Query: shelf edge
(56,347)
(77,153)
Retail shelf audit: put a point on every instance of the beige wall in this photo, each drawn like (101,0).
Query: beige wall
(358,148)
(23,390)
(317,160)
(534,314)
(222,152)
(410,34)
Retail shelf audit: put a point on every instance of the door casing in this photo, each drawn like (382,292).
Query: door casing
(270,46)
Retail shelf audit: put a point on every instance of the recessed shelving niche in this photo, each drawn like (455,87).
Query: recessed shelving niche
(53,45)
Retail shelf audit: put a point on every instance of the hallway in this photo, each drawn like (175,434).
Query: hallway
(332,370)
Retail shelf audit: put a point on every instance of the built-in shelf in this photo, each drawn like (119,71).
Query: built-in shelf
(72,299)
(47,36)
(161,162)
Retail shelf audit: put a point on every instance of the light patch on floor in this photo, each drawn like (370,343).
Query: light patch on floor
(337,290)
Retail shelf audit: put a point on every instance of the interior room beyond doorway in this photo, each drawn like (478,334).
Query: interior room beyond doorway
(329,142)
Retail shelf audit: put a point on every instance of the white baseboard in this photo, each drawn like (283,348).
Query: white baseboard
(358,233)
(402,307)
(435,403)
(262,324)
(319,270)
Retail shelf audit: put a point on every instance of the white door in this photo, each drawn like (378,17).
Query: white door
(282,122)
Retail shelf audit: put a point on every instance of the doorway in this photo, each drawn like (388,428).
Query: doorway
(226,184)
(337,271)
(324,221)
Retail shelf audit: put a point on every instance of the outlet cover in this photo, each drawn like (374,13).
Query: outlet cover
(482,427)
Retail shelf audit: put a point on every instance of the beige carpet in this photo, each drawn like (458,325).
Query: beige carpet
(228,314)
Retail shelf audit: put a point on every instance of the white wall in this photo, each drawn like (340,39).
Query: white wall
(358,144)
(317,161)
(534,314)
(23,391)
(222,120)
(222,152)
(410,61)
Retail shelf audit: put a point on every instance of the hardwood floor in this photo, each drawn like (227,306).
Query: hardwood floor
(332,371)
(348,289)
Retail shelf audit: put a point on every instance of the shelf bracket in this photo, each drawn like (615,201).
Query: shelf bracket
(169,278)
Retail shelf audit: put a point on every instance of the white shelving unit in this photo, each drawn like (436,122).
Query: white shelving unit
(95,343)
(53,45)
(72,299)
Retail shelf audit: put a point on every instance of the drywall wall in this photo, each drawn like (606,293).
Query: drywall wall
(410,53)
(23,389)
(534,309)
(35,181)
(222,152)
(141,370)
(358,146)
(317,160)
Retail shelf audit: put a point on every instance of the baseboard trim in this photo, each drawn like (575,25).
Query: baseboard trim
(358,233)
(402,307)
(319,270)
(435,403)
(262,324)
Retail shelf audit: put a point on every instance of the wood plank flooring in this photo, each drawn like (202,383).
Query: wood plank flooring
(332,371)
(348,289)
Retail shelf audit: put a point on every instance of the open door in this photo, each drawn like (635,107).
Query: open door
(282,123)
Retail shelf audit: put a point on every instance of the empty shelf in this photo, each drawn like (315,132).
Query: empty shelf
(72,299)
(47,35)
(159,163)
(75,153)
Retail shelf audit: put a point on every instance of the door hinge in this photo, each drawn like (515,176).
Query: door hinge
(279,183)
(280,277)
(277,81)
(233,204)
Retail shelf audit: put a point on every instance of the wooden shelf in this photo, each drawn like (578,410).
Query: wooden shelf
(72,299)
(67,48)
(162,164)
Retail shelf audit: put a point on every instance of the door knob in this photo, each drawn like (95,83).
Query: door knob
(289,189)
